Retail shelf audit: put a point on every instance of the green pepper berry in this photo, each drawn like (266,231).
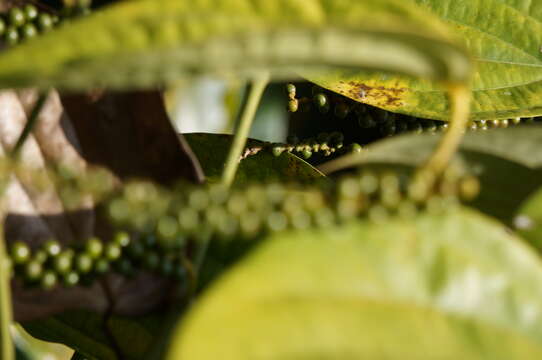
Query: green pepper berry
(293,105)
(516,121)
(112,252)
(45,22)
(33,270)
(320,100)
(48,280)
(125,267)
(83,263)
(292,140)
(277,150)
(341,110)
(415,127)
(11,36)
(52,247)
(336,138)
(16,17)
(20,253)
(401,126)
(381,115)
(388,128)
(40,256)
(122,238)
(151,260)
(63,263)
(355,148)
(290,89)
(136,249)
(30,12)
(94,247)
(70,279)
(2,26)
(101,266)
(179,272)
(28,31)
(492,124)
(307,154)
(150,240)
(473,126)
(366,121)
(167,267)
(504,123)
(430,126)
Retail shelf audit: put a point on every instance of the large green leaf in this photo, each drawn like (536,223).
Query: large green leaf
(528,221)
(508,163)
(504,36)
(212,149)
(449,286)
(145,42)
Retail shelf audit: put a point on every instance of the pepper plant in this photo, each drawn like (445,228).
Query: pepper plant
(401,218)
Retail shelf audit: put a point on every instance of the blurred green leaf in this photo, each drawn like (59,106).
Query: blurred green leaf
(505,38)
(440,286)
(528,220)
(143,43)
(212,149)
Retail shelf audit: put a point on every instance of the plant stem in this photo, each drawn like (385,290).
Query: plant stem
(7,350)
(460,100)
(255,92)
(32,120)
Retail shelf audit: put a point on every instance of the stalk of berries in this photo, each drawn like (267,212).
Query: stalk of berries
(28,21)
(53,265)
(25,22)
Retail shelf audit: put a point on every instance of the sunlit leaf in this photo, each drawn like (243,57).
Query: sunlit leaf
(147,42)
(504,36)
(449,286)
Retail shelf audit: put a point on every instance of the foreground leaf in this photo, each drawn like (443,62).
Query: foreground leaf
(147,42)
(366,291)
(528,220)
(258,164)
(504,36)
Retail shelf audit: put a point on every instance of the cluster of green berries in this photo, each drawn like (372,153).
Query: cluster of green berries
(496,124)
(52,264)
(215,212)
(320,100)
(26,22)
(325,144)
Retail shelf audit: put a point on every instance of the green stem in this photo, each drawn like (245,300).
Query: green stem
(7,350)
(240,139)
(460,100)
(32,120)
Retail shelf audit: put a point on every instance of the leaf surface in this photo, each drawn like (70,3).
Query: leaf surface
(258,164)
(148,42)
(367,291)
(503,36)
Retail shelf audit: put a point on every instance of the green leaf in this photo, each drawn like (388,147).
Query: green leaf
(448,286)
(508,163)
(212,149)
(85,332)
(528,221)
(142,43)
(505,38)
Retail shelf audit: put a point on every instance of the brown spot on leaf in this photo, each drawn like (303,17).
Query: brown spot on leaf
(375,95)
